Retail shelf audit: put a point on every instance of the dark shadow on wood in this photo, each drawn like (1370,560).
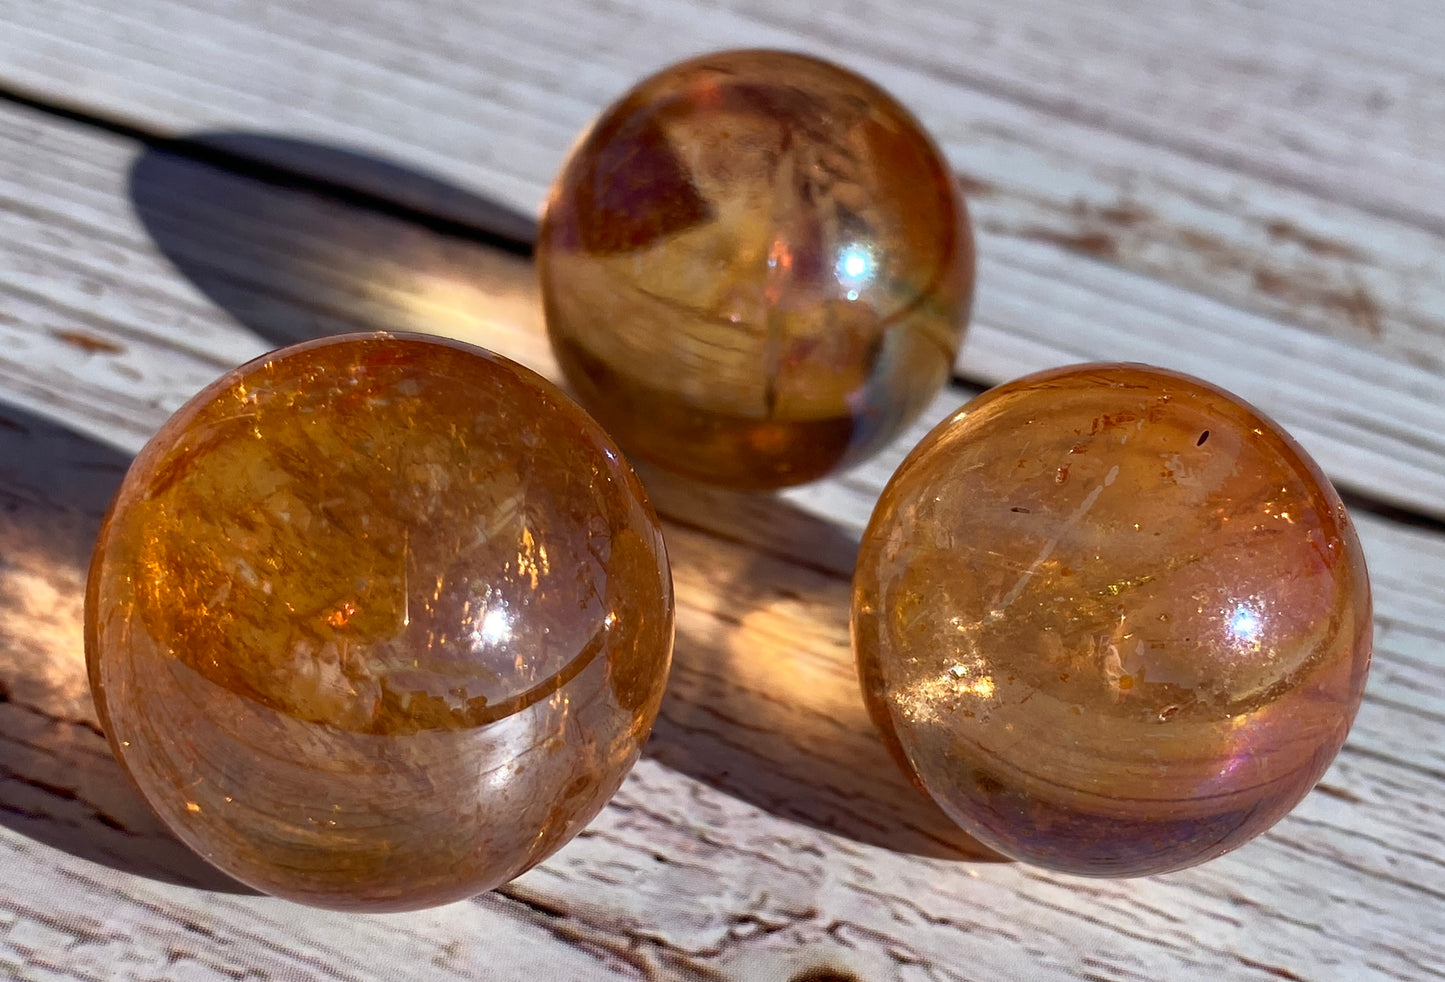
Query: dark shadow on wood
(1372,504)
(363,181)
(59,783)
(276,232)
(770,745)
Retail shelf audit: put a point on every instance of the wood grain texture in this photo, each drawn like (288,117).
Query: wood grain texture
(1246,192)
(1039,306)
(765,833)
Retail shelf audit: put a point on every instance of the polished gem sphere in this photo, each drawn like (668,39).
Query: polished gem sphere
(378,622)
(1112,619)
(756,269)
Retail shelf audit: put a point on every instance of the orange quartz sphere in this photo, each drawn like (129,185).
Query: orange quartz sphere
(378,622)
(756,269)
(1112,619)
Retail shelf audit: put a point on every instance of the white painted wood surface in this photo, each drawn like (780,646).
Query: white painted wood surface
(1284,237)
(1251,193)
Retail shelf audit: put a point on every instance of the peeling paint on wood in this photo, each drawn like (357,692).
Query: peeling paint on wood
(89,343)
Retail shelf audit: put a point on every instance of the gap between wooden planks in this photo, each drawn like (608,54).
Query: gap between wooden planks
(717,856)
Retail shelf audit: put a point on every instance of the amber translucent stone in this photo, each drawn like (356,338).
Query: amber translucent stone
(1112,619)
(756,268)
(378,622)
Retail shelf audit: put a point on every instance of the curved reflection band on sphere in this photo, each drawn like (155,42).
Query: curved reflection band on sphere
(1112,619)
(378,622)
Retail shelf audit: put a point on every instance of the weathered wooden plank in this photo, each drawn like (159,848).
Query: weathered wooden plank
(1311,92)
(289,269)
(682,875)
(694,877)
(764,834)
(1276,159)
(64,918)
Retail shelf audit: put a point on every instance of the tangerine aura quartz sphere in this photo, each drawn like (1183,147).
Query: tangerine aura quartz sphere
(1112,619)
(378,622)
(756,268)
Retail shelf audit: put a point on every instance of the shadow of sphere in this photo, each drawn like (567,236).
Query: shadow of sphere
(59,783)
